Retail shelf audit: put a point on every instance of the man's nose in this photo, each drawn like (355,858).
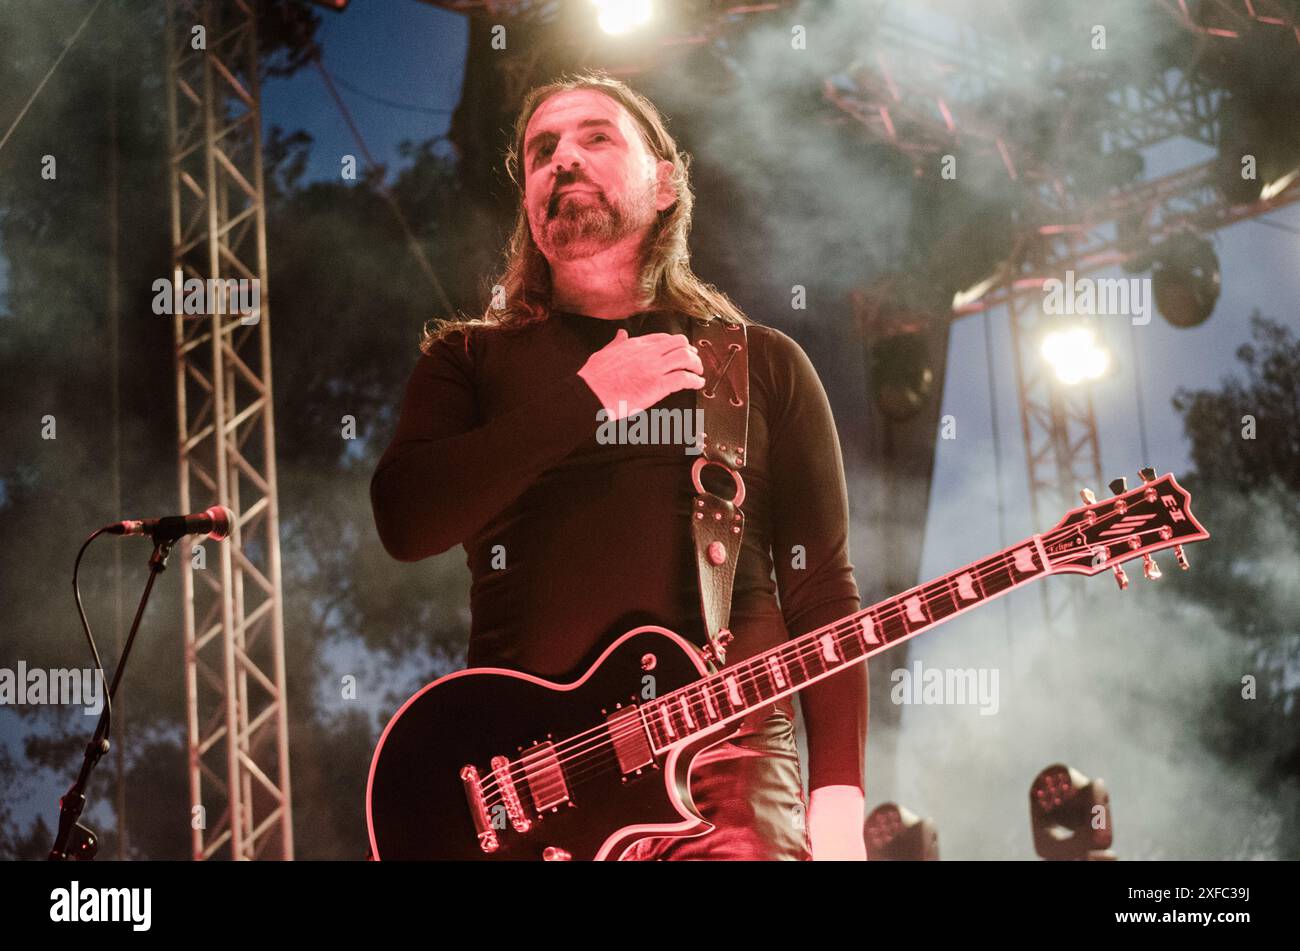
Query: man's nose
(567,159)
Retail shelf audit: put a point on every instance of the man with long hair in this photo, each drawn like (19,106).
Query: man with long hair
(571,541)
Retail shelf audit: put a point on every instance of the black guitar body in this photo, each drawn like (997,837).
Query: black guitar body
(417,801)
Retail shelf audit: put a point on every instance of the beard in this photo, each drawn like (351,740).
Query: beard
(580,224)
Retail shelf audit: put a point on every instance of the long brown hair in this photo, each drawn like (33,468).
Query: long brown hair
(666,275)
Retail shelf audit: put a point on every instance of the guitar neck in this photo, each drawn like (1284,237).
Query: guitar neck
(788,668)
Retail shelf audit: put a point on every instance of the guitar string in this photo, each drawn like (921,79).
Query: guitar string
(607,735)
(592,756)
(603,735)
(603,738)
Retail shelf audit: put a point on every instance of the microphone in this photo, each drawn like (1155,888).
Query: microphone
(215,523)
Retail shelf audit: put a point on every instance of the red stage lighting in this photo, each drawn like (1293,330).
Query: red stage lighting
(895,835)
(1070,815)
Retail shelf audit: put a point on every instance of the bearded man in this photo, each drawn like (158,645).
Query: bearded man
(572,541)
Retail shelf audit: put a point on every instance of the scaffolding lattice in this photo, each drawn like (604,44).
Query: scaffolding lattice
(233,609)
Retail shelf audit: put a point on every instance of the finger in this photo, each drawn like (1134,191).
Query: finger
(685,379)
(683,360)
(670,342)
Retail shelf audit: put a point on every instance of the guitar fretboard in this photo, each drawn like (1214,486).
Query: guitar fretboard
(788,668)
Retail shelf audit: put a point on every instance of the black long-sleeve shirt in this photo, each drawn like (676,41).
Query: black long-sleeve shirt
(571,542)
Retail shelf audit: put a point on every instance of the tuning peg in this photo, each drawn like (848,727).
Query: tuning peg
(1150,569)
(1118,486)
(1087,496)
(1182,558)
(1147,473)
(1121,579)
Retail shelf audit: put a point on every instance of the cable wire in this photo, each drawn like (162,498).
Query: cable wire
(66,46)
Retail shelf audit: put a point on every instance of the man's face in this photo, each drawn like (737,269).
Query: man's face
(589,180)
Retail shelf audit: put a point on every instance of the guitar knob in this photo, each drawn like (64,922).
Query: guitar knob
(1150,568)
(1121,578)
(1182,558)
(553,853)
(1087,496)
(1118,486)
(1147,473)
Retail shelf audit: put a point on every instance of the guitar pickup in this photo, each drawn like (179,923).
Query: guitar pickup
(631,744)
(546,782)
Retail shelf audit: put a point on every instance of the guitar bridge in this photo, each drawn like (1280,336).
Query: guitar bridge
(487,837)
(509,795)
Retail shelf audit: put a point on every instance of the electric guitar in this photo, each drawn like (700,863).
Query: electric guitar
(495,764)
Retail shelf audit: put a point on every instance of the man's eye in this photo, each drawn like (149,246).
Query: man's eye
(600,135)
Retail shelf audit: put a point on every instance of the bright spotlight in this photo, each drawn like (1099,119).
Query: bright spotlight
(621,16)
(1075,355)
(1279,185)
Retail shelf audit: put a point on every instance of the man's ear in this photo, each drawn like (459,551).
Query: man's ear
(666,193)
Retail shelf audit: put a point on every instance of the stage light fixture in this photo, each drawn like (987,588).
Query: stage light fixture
(902,375)
(617,17)
(1070,816)
(1279,185)
(1185,279)
(1075,355)
(976,291)
(1259,145)
(895,317)
(893,834)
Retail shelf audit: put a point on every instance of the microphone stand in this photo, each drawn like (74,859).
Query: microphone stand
(75,842)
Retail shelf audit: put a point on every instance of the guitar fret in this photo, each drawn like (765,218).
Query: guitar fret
(968,586)
(797,664)
(734,691)
(684,708)
(851,645)
(666,721)
(943,602)
(870,631)
(778,671)
(721,696)
(891,626)
(999,575)
(914,615)
(760,679)
(710,705)
(706,713)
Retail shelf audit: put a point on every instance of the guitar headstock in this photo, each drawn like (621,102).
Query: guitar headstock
(1134,523)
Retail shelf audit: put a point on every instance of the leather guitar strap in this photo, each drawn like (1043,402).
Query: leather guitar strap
(717,523)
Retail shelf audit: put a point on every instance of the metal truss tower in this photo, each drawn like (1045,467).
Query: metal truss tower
(928,97)
(233,609)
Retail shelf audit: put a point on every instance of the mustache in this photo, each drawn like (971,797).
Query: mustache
(553,205)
